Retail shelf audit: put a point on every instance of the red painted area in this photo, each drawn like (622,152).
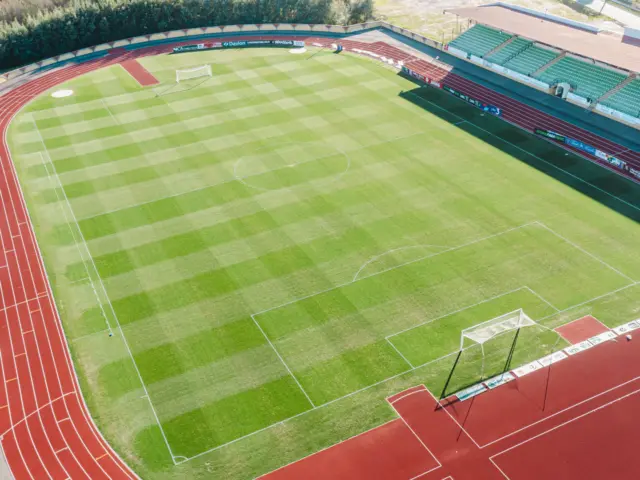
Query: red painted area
(582,329)
(47,432)
(389,451)
(141,74)
(610,453)
(559,391)
(540,426)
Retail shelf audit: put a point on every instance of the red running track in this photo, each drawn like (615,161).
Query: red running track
(45,428)
(577,420)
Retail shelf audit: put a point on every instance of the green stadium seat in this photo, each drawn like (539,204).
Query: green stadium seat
(626,100)
(530,60)
(479,40)
(588,80)
(509,51)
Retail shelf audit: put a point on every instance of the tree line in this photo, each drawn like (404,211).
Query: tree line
(84,23)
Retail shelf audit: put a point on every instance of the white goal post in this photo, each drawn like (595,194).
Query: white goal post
(485,331)
(188,74)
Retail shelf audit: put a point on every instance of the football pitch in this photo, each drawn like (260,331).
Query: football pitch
(246,265)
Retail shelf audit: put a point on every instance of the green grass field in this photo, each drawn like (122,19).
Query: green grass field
(281,246)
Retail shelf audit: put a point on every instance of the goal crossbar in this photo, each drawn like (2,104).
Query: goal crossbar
(195,72)
(485,331)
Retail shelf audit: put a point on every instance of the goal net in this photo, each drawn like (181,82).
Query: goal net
(190,73)
(489,348)
(483,332)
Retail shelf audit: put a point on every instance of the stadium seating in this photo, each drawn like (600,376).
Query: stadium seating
(588,80)
(627,100)
(479,40)
(508,51)
(530,60)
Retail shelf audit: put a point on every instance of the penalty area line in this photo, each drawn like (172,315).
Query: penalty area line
(283,362)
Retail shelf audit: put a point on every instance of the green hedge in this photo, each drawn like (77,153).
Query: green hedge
(90,23)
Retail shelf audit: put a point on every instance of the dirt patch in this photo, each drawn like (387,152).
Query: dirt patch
(428,19)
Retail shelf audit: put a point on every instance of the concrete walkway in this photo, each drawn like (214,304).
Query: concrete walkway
(611,10)
(5,473)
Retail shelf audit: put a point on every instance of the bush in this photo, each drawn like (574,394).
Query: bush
(67,28)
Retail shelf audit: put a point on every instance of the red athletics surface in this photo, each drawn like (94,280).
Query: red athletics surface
(137,71)
(391,447)
(582,329)
(45,428)
(576,420)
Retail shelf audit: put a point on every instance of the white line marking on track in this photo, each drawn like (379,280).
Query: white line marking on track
(52,79)
(559,412)
(574,419)
(408,394)
(419,440)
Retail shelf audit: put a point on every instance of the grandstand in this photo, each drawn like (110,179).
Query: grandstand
(531,59)
(545,52)
(588,80)
(509,51)
(480,40)
(626,100)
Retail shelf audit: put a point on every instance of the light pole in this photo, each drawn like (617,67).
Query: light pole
(604,3)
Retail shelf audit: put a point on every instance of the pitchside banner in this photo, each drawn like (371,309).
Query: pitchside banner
(477,103)
(591,150)
(239,44)
(410,73)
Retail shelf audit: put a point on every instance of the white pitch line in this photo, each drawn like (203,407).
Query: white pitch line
(376,257)
(399,352)
(283,362)
(457,311)
(109,110)
(397,266)
(95,268)
(586,252)
(232,179)
(542,298)
(586,302)
(373,385)
(75,240)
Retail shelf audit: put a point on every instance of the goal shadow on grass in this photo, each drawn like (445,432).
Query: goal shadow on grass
(181,87)
(608,188)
